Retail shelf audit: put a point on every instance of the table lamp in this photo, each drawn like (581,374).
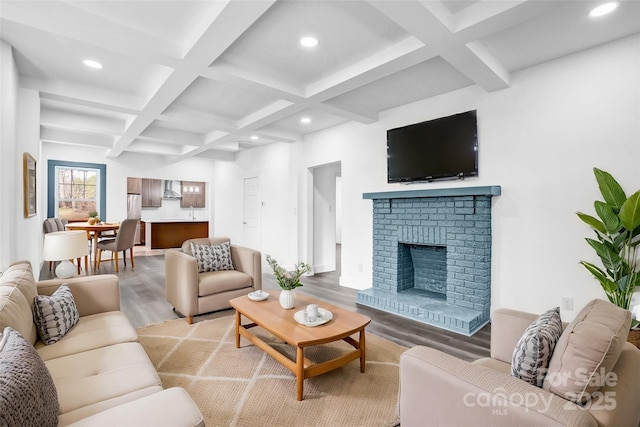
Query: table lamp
(64,246)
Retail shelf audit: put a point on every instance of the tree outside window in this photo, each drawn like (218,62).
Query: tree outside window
(76,193)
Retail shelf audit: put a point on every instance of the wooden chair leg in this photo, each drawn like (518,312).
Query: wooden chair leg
(86,263)
(115,253)
(131,255)
(50,265)
(98,258)
(189,320)
(79,265)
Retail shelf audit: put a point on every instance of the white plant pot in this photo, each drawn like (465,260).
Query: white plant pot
(287,299)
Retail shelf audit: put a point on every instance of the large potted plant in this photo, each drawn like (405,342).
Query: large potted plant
(617,235)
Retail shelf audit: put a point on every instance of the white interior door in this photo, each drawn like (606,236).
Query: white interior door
(251,213)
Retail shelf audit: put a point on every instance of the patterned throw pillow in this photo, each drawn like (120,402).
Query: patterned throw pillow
(212,258)
(223,253)
(205,257)
(533,352)
(28,396)
(55,315)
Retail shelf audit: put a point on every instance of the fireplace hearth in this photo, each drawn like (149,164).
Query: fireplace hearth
(432,256)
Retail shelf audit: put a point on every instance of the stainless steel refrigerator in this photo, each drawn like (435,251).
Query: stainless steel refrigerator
(134,211)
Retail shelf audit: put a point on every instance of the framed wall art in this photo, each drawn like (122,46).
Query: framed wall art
(29,183)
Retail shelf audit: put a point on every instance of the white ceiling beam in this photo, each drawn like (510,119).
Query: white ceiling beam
(268,114)
(92,97)
(184,115)
(225,156)
(403,54)
(82,26)
(171,136)
(229,24)
(429,23)
(227,73)
(273,135)
(228,146)
(478,64)
(216,136)
(62,120)
(489,17)
(213,140)
(141,146)
(76,138)
(364,116)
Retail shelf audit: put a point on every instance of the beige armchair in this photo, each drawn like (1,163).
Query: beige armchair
(192,293)
(437,389)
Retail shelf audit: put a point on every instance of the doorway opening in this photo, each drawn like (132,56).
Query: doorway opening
(326,218)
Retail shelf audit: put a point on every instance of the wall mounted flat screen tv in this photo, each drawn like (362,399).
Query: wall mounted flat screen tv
(444,148)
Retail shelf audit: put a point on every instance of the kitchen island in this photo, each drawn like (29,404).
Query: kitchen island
(171,233)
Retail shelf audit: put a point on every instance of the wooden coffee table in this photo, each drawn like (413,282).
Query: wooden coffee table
(280,322)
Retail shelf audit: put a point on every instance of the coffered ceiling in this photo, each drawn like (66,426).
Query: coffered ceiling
(211,78)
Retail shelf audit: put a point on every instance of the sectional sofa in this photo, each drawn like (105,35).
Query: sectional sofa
(589,378)
(96,373)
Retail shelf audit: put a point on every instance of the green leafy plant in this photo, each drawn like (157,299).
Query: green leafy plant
(288,280)
(617,230)
(93,214)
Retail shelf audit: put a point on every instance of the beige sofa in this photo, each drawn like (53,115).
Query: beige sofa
(101,374)
(192,293)
(437,389)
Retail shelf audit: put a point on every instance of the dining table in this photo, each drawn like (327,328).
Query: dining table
(93,232)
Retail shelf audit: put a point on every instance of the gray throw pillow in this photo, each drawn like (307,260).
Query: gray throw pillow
(533,352)
(223,254)
(55,315)
(212,258)
(205,257)
(28,396)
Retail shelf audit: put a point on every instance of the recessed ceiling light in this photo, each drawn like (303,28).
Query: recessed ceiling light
(604,9)
(305,120)
(92,64)
(309,41)
(254,137)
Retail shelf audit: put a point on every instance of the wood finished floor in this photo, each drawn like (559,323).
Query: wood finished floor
(143,301)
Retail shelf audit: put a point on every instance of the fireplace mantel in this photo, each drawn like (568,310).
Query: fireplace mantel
(490,190)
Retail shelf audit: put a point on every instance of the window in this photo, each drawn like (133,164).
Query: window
(75,190)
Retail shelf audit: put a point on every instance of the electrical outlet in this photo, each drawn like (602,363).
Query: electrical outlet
(567,303)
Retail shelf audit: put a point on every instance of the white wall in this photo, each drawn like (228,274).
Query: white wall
(136,165)
(10,208)
(278,195)
(19,133)
(539,140)
(28,137)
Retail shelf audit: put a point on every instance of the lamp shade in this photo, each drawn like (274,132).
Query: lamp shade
(65,245)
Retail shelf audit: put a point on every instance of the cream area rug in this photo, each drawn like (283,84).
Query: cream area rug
(246,387)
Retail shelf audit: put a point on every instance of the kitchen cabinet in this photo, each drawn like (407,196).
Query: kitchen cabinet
(151,193)
(143,233)
(163,234)
(134,185)
(193,194)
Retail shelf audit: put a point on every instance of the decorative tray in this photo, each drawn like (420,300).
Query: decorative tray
(323,317)
(258,295)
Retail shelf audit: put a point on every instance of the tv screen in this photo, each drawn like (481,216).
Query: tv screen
(437,149)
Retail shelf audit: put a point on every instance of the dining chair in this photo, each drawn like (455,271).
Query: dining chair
(56,224)
(125,239)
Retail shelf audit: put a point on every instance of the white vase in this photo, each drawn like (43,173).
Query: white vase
(287,299)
